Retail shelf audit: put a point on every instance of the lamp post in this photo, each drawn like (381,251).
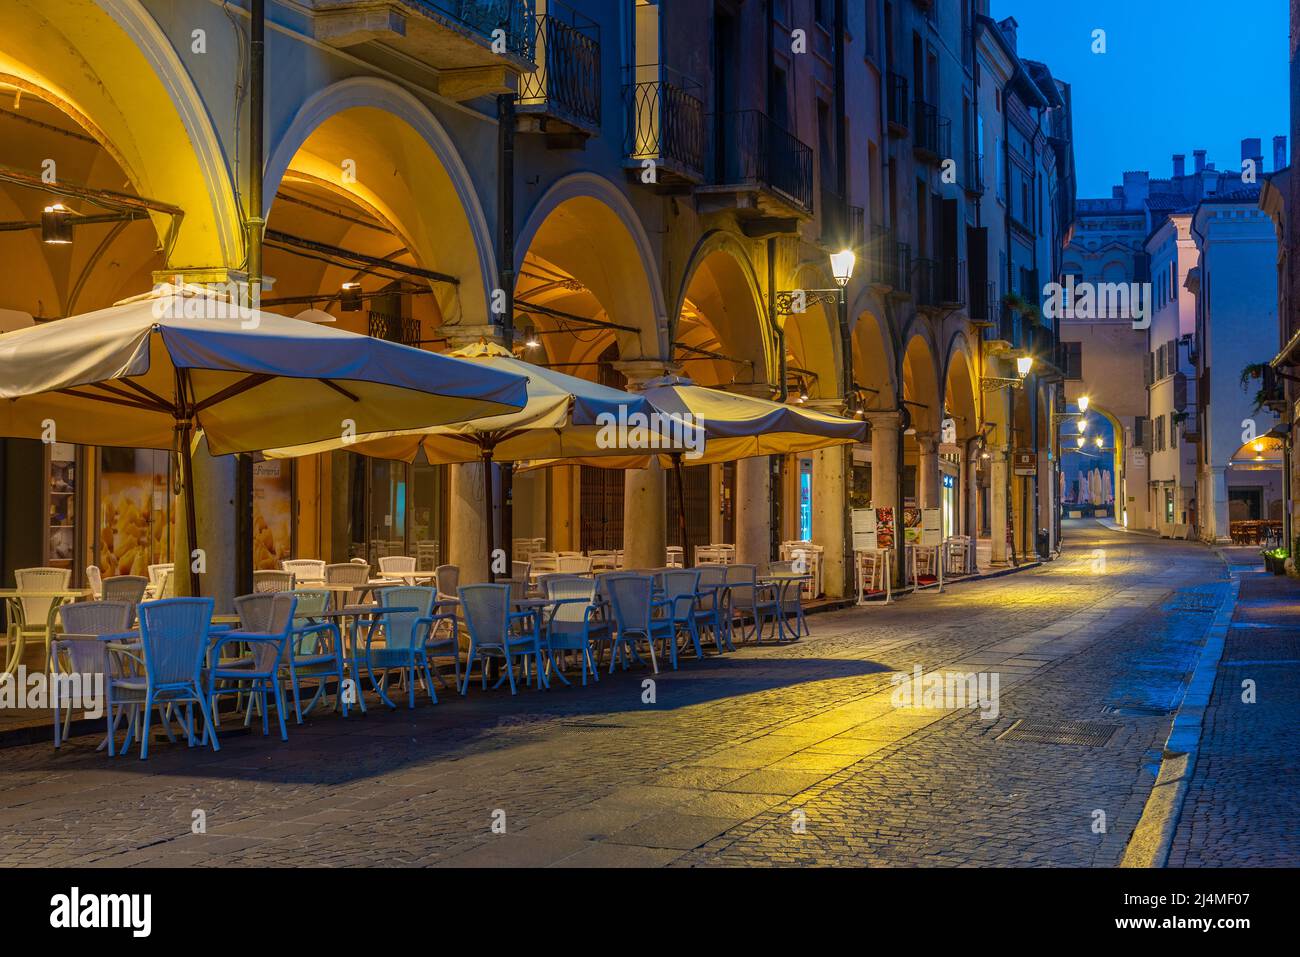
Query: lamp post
(795,302)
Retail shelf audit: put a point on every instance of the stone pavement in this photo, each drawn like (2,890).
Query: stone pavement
(791,754)
(1242,803)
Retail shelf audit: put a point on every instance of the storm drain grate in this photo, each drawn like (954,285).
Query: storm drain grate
(1091,734)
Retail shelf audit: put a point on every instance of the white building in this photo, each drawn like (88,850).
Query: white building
(1235,286)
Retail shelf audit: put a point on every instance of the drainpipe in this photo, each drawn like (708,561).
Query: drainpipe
(255,224)
(506,279)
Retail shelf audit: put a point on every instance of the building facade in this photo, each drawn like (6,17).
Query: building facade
(619,190)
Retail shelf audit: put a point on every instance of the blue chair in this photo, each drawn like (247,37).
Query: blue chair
(632,599)
(492,632)
(681,588)
(265,624)
(747,599)
(316,652)
(712,611)
(575,622)
(173,645)
(405,634)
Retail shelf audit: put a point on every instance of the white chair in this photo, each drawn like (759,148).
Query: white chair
(38,611)
(573,564)
(95,581)
(426,554)
(391,566)
(544,563)
(267,580)
(306,571)
(674,556)
(874,573)
(810,558)
(156,573)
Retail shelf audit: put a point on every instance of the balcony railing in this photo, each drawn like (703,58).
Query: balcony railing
(842,224)
(566,83)
(932,135)
(938,282)
(888,261)
(394,328)
(750,149)
(665,123)
(982,305)
(515,18)
(974,173)
(896,100)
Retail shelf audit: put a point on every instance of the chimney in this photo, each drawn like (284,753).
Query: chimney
(1252,149)
(1279,152)
(1180,163)
(1198,160)
(1008,28)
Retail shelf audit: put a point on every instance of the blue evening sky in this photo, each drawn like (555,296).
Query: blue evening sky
(1177,75)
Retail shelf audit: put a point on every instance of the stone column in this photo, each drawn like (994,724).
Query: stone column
(885,436)
(829,503)
(645,501)
(970,475)
(928,481)
(998,504)
(1219,486)
(467,511)
(753,512)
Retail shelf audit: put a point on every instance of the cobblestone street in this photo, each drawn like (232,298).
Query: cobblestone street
(776,755)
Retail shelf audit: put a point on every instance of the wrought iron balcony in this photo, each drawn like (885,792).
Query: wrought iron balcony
(888,261)
(478,47)
(752,153)
(896,100)
(842,225)
(939,283)
(982,306)
(932,132)
(974,173)
(566,84)
(665,124)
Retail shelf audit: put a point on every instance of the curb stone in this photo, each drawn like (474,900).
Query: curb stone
(1154,834)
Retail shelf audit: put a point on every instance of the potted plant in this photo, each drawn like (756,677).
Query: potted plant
(1275,560)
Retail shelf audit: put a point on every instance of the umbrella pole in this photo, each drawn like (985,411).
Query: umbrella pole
(681,509)
(487,508)
(185,430)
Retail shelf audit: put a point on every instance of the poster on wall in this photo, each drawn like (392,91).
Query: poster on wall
(272,514)
(135,511)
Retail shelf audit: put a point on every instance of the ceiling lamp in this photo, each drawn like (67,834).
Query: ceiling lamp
(56,225)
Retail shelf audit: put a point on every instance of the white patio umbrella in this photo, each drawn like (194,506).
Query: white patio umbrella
(564,417)
(150,371)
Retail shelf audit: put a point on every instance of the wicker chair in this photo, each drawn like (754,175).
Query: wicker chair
(270,580)
(316,651)
(486,612)
(80,650)
(95,581)
(748,599)
(631,599)
(348,573)
(305,571)
(392,565)
(712,610)
(38,612)
(156,573)
(406,635)
(447,578)
(265,623)
(575,622)
(128,588)
(681,589)
(173,645)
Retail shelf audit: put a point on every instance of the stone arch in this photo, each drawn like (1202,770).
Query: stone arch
(721,305)
(921,388)
(110,60)
(874,355)
(422,186)
(583,212)
(961,387)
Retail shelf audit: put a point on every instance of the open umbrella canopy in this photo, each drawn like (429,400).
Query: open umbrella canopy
(129,374)
(705,426)
(564,417)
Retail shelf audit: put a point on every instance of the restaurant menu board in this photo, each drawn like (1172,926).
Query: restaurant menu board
(923,526)
(63,503)
(135,508)
(884,527)
(864,529)
(272,514)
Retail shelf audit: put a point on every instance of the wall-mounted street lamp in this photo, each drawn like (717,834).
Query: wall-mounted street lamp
(1082,403)
(530,338)
(1081,441)
(1024,366)
(56,225)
